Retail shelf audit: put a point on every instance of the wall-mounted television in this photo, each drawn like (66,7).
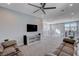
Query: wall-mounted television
(31,28)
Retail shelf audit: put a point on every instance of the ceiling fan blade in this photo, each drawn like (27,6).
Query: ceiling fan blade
(33,5)
(43,5)
(36,10)
(50,8)
(43,11)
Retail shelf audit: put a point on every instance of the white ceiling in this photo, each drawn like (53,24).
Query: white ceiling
(52,14)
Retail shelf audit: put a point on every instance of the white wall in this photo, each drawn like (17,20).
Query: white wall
(13,25)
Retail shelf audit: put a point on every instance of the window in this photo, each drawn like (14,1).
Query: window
(70,29)
(71,26)
(67,27)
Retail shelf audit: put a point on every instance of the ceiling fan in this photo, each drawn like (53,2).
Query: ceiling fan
(42,7)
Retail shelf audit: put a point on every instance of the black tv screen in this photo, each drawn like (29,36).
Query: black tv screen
(31,28)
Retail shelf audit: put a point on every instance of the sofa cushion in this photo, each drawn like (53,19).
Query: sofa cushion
(8,43)
(69,45)
(68,50)
(9,50)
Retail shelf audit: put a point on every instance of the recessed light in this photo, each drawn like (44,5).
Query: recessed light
(72,13)
(70,4)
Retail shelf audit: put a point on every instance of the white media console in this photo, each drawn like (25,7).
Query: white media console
(33,38)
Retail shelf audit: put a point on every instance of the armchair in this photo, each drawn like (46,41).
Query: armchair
(9,48)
